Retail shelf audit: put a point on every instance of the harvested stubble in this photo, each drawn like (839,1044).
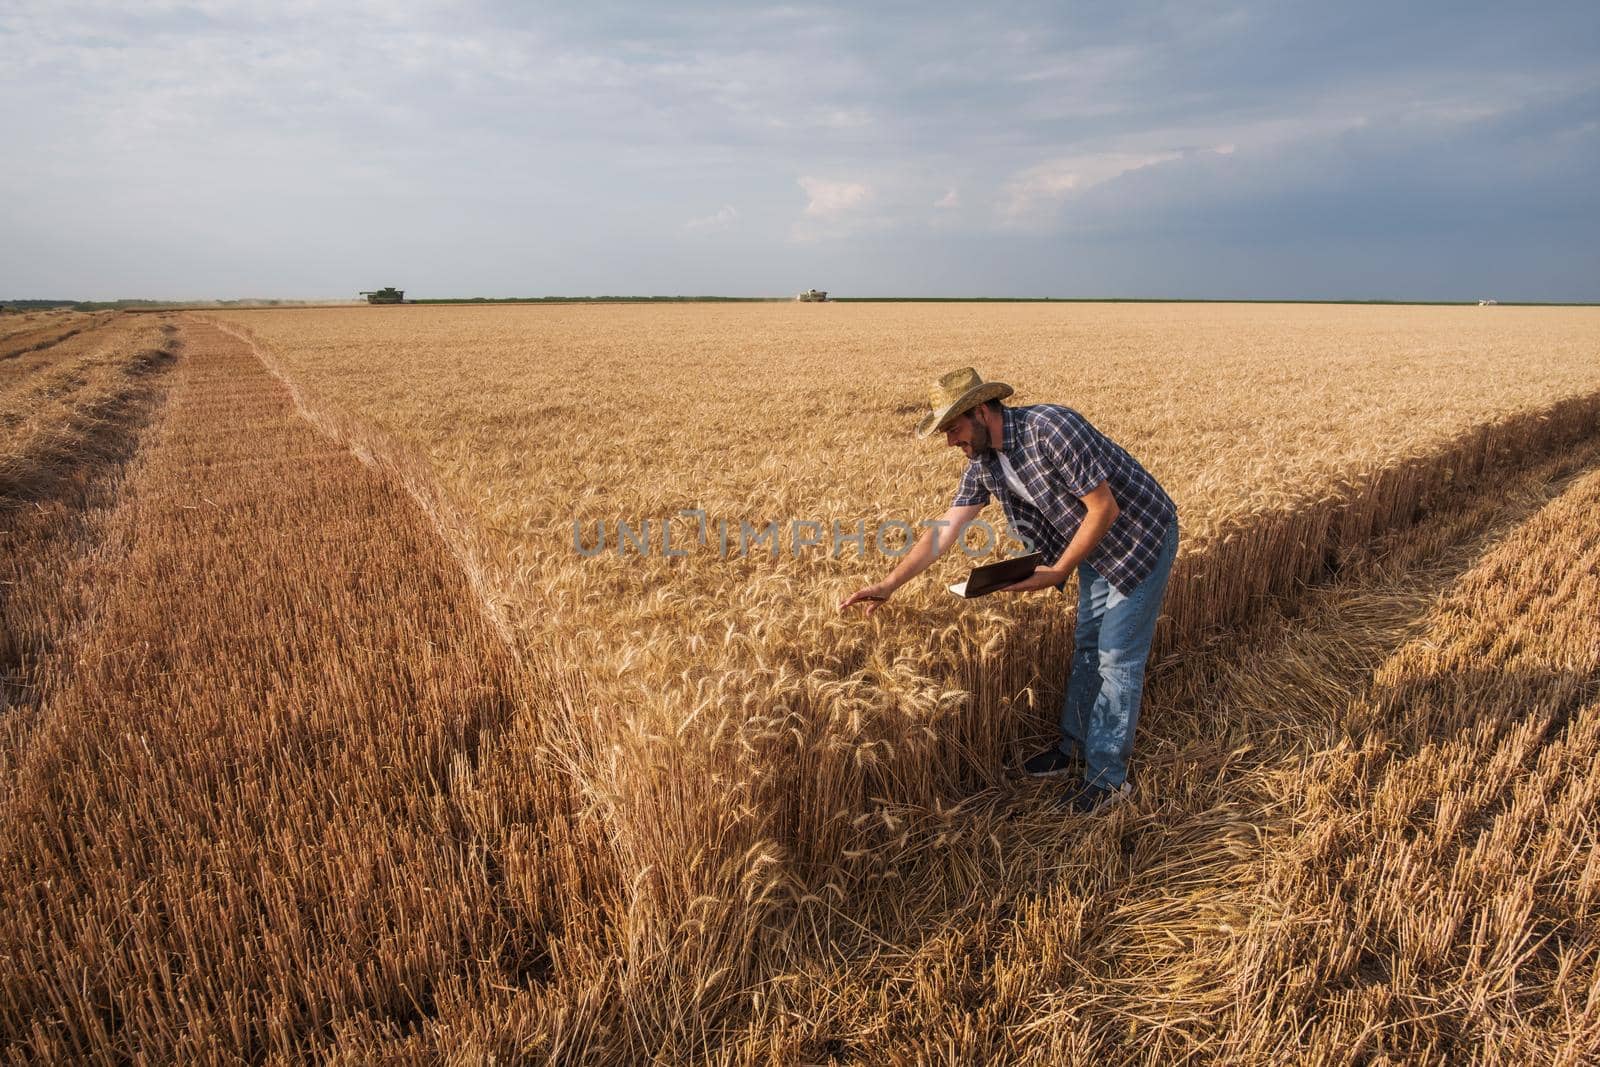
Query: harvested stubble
(243,822)
(13,324)
(33,333)
(69,417)
(756,762)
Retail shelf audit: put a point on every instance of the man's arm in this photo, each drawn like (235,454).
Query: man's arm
(939,536)
(1101,511)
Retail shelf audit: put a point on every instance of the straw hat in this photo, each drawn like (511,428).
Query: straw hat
(956,393)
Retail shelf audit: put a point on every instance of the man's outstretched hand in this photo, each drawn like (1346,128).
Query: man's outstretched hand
(873,597)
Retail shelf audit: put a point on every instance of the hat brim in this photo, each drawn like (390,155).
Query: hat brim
(934,421)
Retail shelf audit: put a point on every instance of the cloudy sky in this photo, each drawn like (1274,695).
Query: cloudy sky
(1190,149)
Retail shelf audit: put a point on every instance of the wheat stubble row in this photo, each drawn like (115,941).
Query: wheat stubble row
(70,416)
(240,827)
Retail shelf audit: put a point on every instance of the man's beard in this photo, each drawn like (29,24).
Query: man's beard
(982,442)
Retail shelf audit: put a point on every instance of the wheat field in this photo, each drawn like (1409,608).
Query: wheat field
(425,780)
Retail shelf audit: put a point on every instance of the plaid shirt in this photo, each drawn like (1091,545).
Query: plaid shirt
(1060,457)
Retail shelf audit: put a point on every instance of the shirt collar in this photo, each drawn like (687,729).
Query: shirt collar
(1011,429)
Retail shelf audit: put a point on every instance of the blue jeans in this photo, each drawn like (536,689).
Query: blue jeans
(1110,647)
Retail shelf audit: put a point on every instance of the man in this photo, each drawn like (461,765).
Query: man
(1074,495)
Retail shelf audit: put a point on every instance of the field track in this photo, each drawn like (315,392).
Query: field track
(70,417)
(36,339)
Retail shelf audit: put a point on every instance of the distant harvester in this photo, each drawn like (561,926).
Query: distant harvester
(813,296)
(388,295)
(1487,303)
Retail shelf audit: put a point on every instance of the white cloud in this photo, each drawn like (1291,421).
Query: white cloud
(835,209)
(831,199)
(721,219)
(1088,66)
(950,199)
(1039,191)
(846,119)
(790,118)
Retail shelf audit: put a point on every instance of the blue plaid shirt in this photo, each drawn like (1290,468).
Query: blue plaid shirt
(1059,457)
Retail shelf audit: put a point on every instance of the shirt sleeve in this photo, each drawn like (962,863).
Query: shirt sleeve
(1075,451)
(971,490)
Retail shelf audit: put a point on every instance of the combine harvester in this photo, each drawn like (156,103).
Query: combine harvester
(813,296)
(388,295)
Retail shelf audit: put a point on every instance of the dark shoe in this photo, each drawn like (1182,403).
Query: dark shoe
(1049,763)
(1088,799)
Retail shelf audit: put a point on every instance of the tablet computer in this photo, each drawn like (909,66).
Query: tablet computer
(992,576)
